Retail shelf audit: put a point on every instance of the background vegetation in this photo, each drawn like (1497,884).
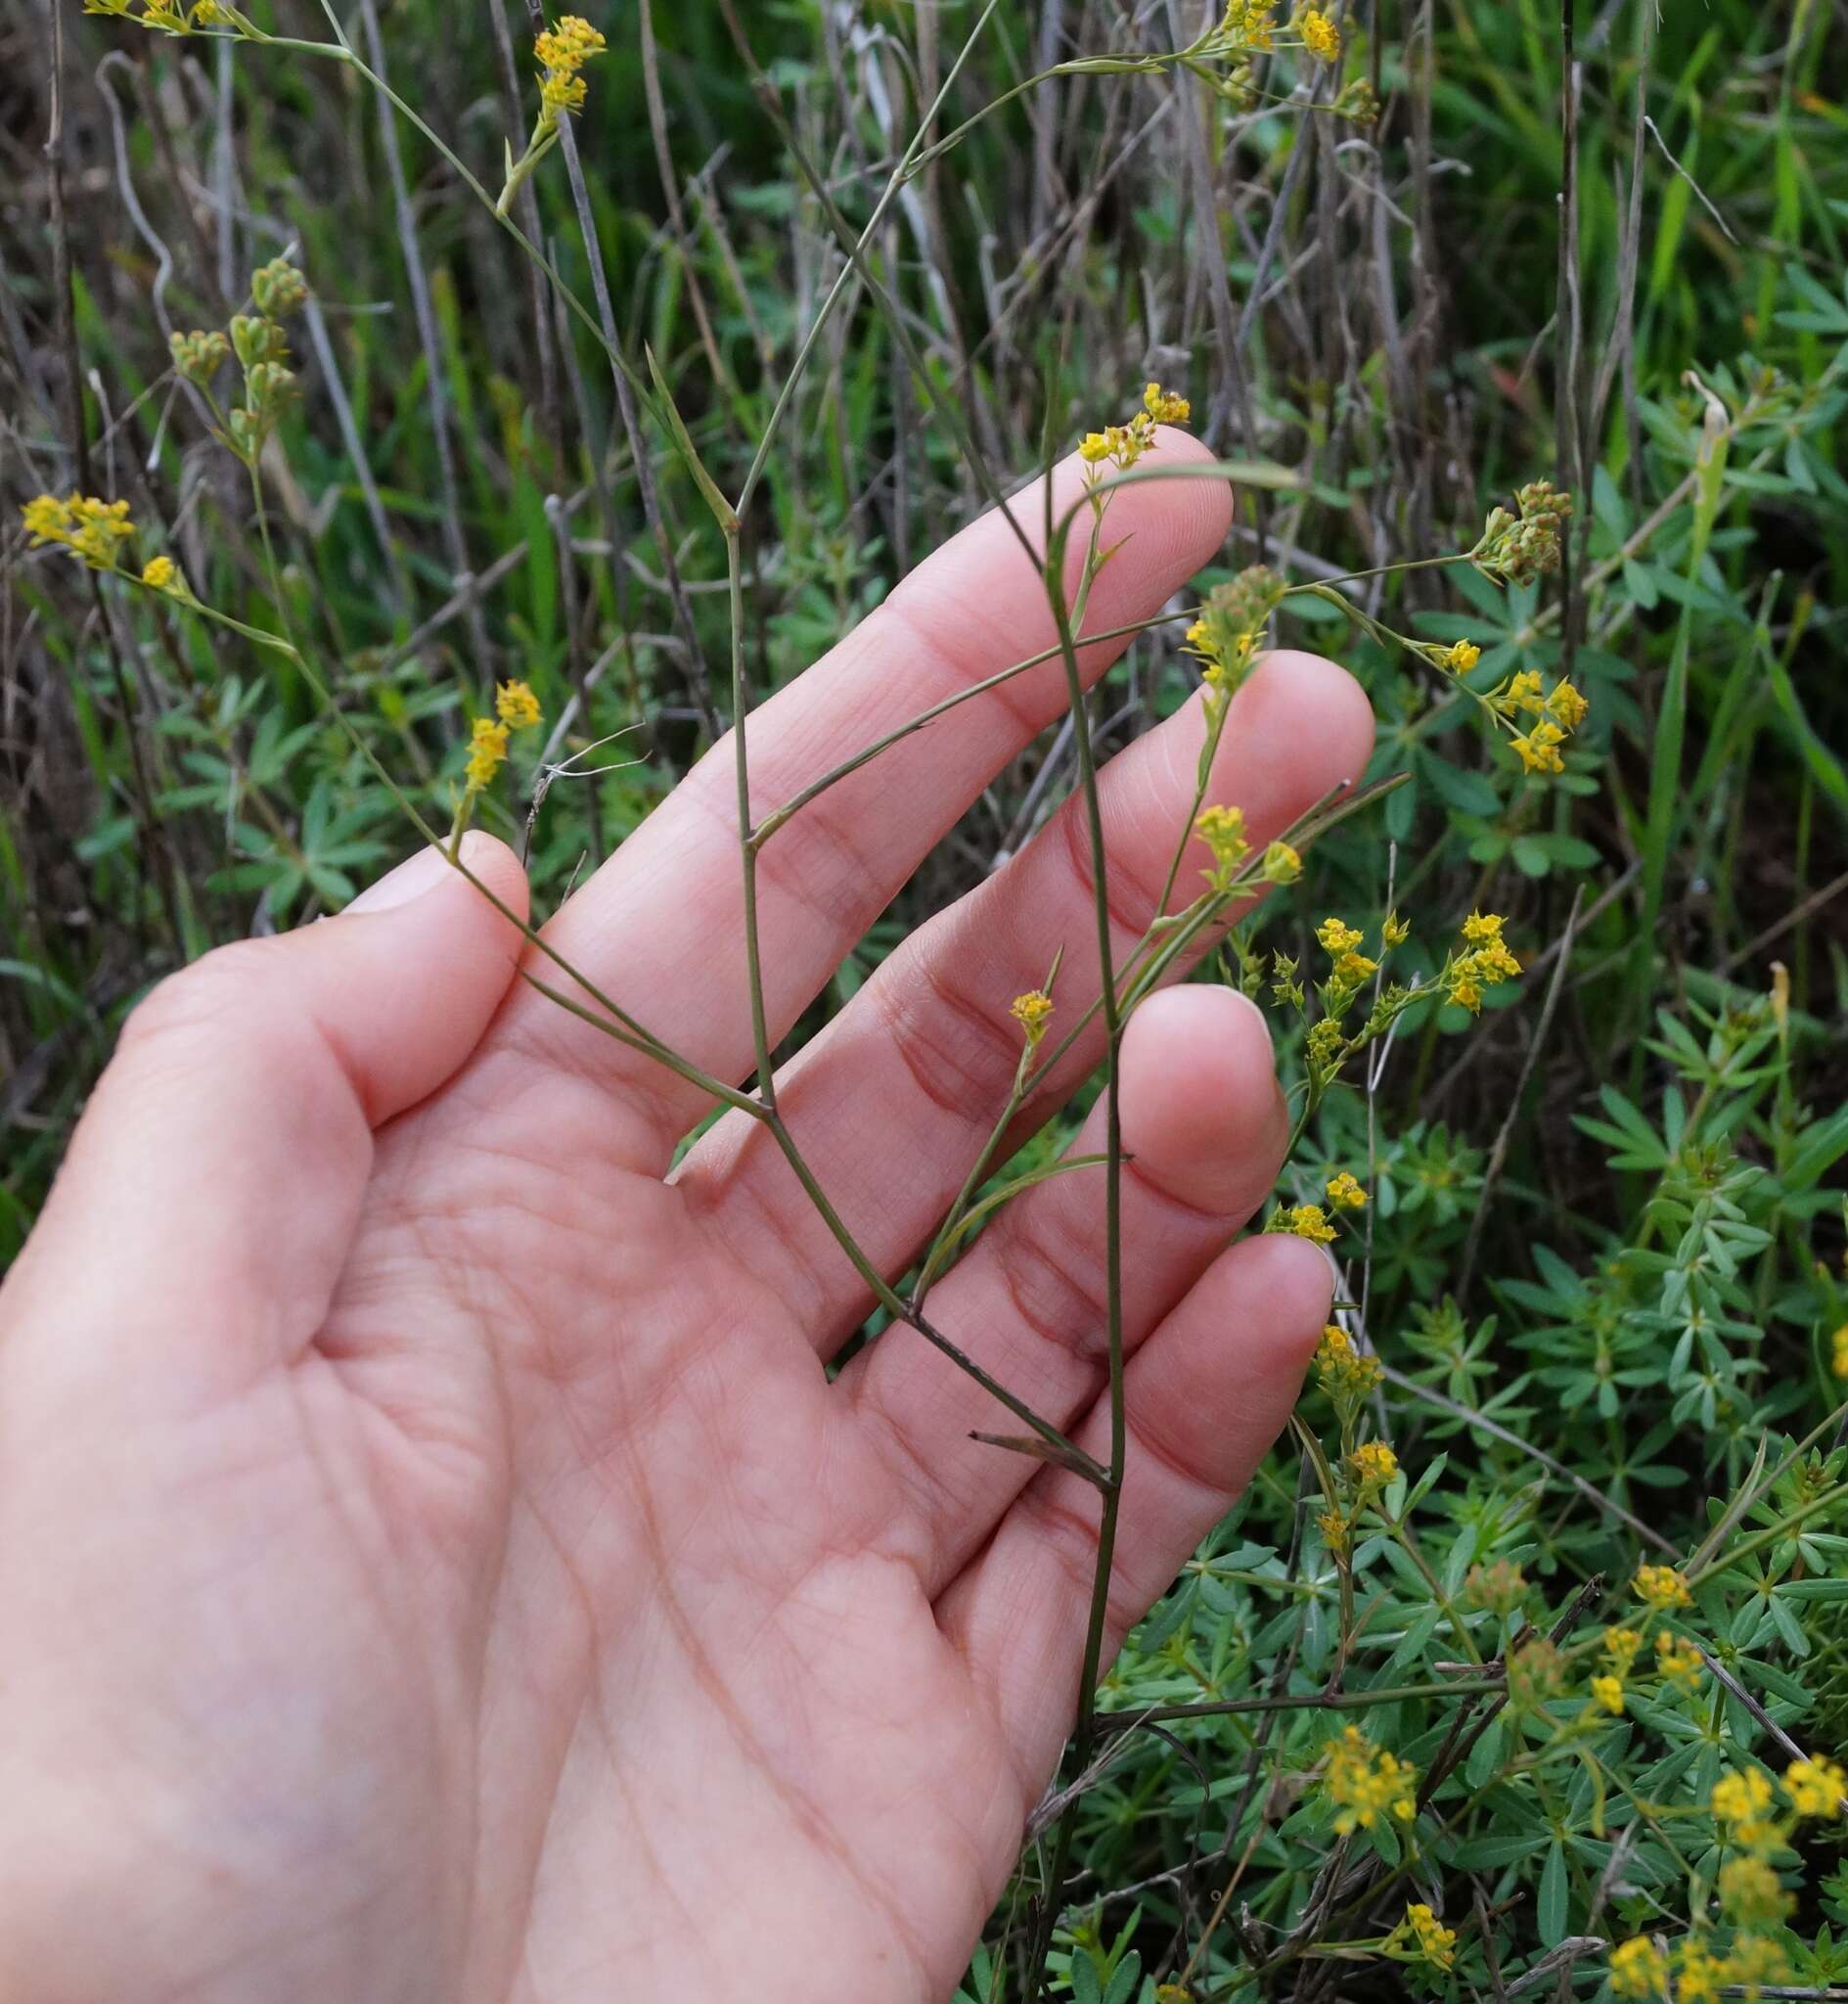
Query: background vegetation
(1603,1264)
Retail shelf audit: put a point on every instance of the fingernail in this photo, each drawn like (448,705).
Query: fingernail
(415,875)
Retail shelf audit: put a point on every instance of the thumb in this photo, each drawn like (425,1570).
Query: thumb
(205,1205)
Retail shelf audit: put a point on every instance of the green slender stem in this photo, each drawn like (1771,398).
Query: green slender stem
(793,806)
(1110,1498)
(748,853)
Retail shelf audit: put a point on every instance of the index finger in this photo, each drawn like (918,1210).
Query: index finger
(661,927)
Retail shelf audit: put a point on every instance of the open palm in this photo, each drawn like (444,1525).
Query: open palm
(435,1560)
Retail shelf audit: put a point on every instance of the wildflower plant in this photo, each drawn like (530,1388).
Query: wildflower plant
(1453,1700)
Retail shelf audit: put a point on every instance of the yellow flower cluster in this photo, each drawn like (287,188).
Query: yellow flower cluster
(1702,1978)
(171,16)
(517,705)
(162,575)
(1661,1587)
(1304,1221)
(487,752)
(563,52)
(1320,35)
(1751,1894)
(1222,830)
(1816,1787)
(1283,865)
(1678,1663)
(1487,964)
(1248,23)
(1032,1011)
(92,529)
(1637,1969)
(1556,713)
(1421,1937)
(1607,1692)
(1124,444)
(1373,1465)
(1742,1800)
(1166,406)
(515,708)
(1344,1372)
(1367,1785)
(1232,631)
(1344,1192)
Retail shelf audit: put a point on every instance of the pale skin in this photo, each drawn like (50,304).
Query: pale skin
(434,1562)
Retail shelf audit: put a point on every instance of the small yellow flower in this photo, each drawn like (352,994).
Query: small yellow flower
(1165,406)
(1352,969)
(1607,1692)
(1524,693)
(1755,1960)
(162,573)
(1660,1587)
(1742,1802)
(1678,1662)
(1222,830)
(92,529)
(516,707)
(1567,705)
(1032,1012)
(1374,1465)
(569,45)
(1346,1193)
(1538,751)
(1337,936)
(1335,1531)
(1461,657)
(1308,1221)
(1479,927)
(1620,1648)
(1493,964)
(1095,446)
(1395,932)
(1283,865)
(1320,35)
(1751,1894)
(1817,1787)
(1367,1784)
(1466,993)
(487,752)
(1423,1938)
(1637,1969)
(1340,1369)
(1839,1351)
(561,92)
(207,14)
(1699,1977)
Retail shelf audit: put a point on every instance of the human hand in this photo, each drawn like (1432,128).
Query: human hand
(433,1561)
